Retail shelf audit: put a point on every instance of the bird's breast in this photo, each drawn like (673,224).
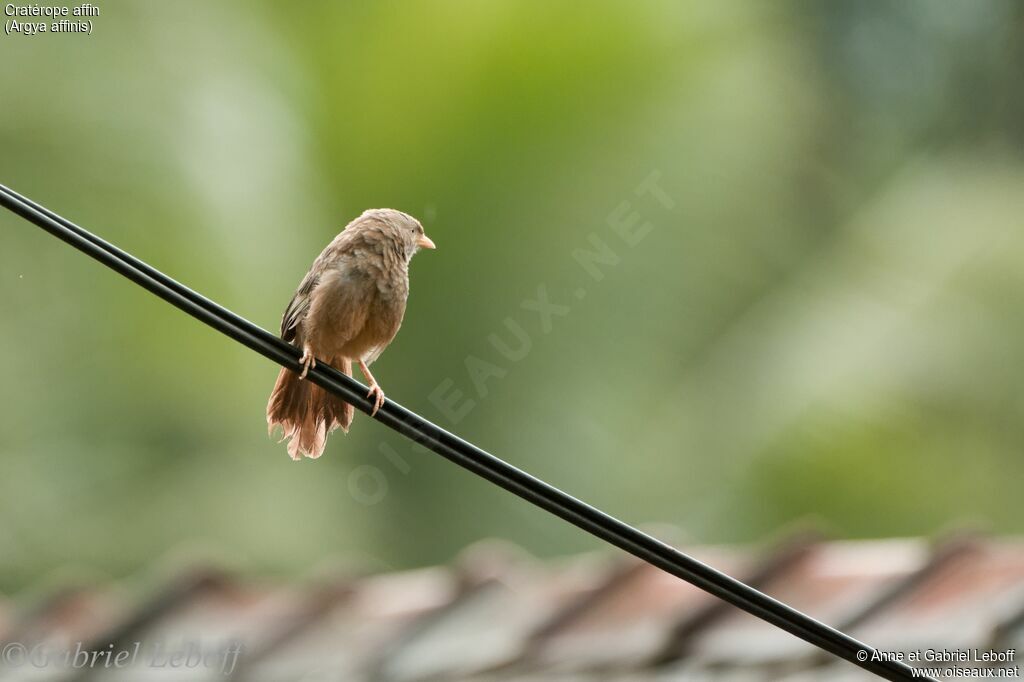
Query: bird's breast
(381,288)
(381,325)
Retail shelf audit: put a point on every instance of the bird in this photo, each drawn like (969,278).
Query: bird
(348,308)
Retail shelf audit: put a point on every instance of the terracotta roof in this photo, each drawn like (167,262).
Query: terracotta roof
(499,616)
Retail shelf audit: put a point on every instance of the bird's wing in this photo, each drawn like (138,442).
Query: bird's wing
(299,305)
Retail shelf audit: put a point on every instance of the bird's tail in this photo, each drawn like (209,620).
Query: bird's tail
(306,412)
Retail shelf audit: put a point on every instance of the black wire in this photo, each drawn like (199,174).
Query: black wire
(464,454)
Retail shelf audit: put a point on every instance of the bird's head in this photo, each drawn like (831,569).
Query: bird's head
(403,228)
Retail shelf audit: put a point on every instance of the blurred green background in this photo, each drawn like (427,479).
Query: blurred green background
(828,324)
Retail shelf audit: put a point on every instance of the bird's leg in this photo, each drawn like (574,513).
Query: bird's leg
(307,360)
(375,389)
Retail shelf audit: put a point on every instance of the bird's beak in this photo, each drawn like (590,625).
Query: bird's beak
(425,242)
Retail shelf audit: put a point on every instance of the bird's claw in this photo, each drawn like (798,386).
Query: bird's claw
(307,361)
(376,390)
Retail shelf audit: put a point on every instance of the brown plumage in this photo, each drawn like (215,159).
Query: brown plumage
(347,309)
